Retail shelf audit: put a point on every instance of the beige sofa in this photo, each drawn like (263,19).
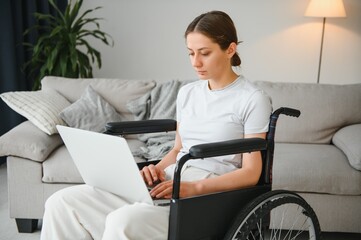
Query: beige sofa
(317,155)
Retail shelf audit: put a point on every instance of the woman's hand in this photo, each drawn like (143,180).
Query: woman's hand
(152,174)
(165,189)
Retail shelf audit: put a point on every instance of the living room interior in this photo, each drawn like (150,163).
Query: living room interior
(280,44)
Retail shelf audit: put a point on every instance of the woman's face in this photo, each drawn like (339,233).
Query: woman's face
(207,58)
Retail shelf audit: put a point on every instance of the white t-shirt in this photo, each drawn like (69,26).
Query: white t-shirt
(206,116)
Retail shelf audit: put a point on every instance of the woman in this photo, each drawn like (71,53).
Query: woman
(221,106)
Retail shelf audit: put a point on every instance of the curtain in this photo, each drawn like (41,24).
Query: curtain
(15,17)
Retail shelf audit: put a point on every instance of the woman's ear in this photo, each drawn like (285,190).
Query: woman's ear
(232,49)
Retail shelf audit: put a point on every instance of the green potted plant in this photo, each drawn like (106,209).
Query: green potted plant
(62,49)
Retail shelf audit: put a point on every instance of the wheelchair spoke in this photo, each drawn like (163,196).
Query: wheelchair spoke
(253,235)
(290,231)
(259,226)
(281,216)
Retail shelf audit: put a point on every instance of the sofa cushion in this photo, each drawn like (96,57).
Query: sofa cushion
(39,107)
(348,139)
(324,109)
(28,141)
(317,168)
(60,168)
(115,91)
(90,112)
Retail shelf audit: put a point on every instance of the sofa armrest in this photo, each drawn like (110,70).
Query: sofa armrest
(28,141)
(348,139)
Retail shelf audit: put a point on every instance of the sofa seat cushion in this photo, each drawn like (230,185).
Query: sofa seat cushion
(319,168)
(60,168)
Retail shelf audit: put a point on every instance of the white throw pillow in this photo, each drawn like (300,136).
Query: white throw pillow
(42,108)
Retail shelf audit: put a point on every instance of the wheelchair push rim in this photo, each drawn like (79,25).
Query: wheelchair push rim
(276,215)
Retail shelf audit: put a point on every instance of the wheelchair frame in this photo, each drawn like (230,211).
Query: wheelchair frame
(223,215)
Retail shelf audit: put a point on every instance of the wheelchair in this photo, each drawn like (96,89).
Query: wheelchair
(256,212)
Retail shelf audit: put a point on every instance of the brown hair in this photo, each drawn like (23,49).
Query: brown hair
(219,27)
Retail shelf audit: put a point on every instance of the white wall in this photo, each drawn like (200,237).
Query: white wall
(280,44)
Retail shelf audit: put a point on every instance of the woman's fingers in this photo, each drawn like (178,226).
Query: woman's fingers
(147,176)
(153,172)
(162,190)
(150,174)
(165,189)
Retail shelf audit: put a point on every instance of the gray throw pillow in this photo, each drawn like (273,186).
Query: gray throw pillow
(348,140)
(28,141)
(90,112)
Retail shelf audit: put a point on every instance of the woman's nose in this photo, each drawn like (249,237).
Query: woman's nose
(197,61)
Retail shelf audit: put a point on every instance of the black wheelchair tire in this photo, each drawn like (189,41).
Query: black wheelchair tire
(253,221)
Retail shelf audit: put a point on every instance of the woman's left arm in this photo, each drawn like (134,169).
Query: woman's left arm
(246,176)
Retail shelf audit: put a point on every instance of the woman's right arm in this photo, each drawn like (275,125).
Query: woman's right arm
(154,173)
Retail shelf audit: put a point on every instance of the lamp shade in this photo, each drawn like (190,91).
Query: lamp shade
(325,8)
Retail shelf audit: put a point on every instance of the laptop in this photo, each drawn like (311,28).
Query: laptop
(106,162)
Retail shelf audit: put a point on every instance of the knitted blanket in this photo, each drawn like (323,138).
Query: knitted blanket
(159,103)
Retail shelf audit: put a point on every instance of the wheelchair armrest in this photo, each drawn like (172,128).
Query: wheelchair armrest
(228,147)
(137,127)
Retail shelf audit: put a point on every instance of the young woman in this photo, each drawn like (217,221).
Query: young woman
(221,106)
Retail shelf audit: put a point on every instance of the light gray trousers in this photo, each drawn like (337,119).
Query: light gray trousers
(84,212)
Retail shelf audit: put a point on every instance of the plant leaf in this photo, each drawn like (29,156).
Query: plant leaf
(61,15)
(63,64)
(73,13)
(56,50)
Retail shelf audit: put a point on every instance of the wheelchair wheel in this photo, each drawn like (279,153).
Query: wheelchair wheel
(276,215)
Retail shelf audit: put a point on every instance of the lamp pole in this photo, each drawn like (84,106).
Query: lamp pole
(321,49)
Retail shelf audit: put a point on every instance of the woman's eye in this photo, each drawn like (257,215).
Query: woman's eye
(202,54)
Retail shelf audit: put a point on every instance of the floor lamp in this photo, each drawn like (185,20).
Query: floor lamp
(324,9)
